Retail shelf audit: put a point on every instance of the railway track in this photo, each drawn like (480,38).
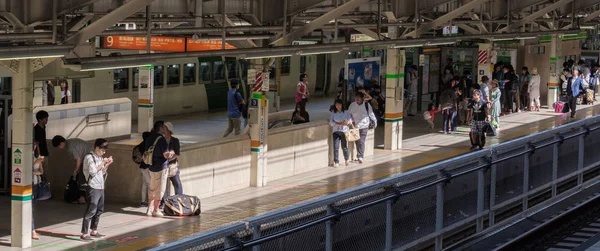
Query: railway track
(575,228)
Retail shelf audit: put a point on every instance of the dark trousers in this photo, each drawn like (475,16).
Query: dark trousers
(449,119)
(360,144)
(508,99)
(176,181)
(573,104)
(339,137)
(95,207)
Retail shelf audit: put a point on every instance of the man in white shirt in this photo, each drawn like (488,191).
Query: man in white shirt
(363,118)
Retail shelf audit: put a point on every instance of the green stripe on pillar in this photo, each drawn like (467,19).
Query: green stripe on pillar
(256,150)
(257,95)
(367,50)
(21,198)
(145,105)
(401,75)
(552,59)
(553,88)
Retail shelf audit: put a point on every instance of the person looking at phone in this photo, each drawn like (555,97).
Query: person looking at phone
(94,170)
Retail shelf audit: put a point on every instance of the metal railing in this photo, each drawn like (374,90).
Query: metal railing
(100,118)
(432,207)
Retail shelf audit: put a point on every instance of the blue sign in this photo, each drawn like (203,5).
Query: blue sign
(254,102)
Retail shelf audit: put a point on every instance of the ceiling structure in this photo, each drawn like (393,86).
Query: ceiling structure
(253,26)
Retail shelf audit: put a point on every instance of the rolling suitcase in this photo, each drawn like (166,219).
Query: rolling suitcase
(489,130)
(589,97)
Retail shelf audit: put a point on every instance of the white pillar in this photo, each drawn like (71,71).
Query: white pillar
(258,120)
(278,82)
(22,155)
(393,99)
(39,94)
(145,99)
(486,68)
(553,79)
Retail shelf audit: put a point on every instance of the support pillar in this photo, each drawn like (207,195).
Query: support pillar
(486,68)
(22,154)
(39,94)
(278,82)
(145,98)
(258,121)
(393,99)
(553,79)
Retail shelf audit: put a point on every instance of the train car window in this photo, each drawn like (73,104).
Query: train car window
(159,76)
(121,80)
(134,85)
(219,71)
(205,71)
(303,64)
(189,73)
(285,65)
(173,75)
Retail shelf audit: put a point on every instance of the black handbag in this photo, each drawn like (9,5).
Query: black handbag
(41,191)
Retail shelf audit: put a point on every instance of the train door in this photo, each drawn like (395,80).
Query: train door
(213,76)
(321,71)
(5,140)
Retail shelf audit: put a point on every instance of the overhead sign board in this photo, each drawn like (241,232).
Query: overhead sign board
(303,42)
(363,37)
(450,30)
(160,43)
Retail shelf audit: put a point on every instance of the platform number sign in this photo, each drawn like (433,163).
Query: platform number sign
(254,102)
(17,176)
(17,157)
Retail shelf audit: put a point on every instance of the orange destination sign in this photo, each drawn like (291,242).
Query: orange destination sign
(159,43)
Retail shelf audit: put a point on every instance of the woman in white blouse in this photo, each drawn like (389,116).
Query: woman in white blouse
(534,90)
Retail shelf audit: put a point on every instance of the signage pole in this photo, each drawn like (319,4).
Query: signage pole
(394,107)
(22,155)
(553,79)
(258,121)
(145,81)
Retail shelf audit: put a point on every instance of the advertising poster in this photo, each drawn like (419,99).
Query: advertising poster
(363,72)
(434,73)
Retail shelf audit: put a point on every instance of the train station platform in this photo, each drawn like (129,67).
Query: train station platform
(127,227)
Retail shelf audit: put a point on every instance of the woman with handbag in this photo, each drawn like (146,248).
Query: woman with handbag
(173,165)
(340,120)
(38,171)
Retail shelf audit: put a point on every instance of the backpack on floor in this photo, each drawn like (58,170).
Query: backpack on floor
(489,130)
(589,97)
(182,205)
(72,191)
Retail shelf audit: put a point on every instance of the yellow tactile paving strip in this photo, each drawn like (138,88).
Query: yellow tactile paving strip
(246,209)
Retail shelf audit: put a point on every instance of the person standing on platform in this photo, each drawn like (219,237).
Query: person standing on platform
(144,171)
(39,133)
(94,169)
(339,119)
(412,89)
(77,148)
(478,106)
(50,93)
(574,91)
(158,169)
(302,92)
(234,100)
(362,118)
(448,102)
(509,83)
(175,146)
(523,90)
(496,107)
(534,91)
(65,93)
(499,76)
(38,171)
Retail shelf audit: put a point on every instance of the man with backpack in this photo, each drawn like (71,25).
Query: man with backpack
(156,156)
(138,158)
(234,100)
(77,148)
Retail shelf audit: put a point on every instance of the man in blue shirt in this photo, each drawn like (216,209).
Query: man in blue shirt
(574,90)
(158,168)
(234,100)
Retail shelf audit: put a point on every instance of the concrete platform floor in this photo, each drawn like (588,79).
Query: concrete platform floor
(129,229)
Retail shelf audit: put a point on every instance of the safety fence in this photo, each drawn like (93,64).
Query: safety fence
(430,208)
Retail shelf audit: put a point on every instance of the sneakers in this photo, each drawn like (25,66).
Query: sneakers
(360,161)
(336,165)
(347,163)
(149,212)
(144,204)
(86,238)
(158,214)
(97,235)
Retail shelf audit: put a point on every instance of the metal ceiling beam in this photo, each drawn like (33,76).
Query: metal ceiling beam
(365,31)
(115,16)
(230,23)
(591,16)
(446,18)
(13,20)
(266,51)
(535,15)
(78,23)
(480,26)
(319,22)
(469,29)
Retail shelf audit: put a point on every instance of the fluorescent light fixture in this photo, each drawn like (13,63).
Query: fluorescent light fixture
(525,38)
(114,67)
(587,27)
(407,46)
(33,57)
(316,52)
(269,56)
(434,44)
(502,39)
